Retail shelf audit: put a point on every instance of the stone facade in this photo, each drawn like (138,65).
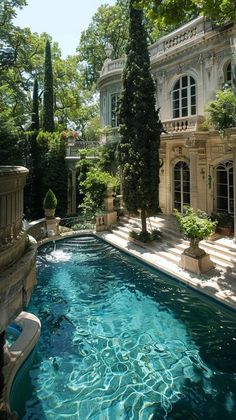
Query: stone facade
(188,66)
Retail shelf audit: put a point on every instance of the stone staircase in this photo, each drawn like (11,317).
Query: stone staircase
(171,245)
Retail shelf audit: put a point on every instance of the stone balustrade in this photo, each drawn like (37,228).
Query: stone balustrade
(194,29)
(73,149)
(12,182)
(112,65)
(182,35)
(183,124)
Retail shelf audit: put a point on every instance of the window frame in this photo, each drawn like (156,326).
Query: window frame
(189,99)
(114,121)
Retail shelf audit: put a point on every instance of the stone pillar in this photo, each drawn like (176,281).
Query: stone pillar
(233,59)
(73,191)
(12,182)
(192,144)
(193,179)
(69,192)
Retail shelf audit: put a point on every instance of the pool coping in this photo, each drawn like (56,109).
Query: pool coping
(18,352)
(202,283)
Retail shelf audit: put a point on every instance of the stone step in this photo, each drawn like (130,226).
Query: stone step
(172,244)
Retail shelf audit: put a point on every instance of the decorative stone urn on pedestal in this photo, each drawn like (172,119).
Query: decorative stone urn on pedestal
(52,222)
(195,226)
(195,259)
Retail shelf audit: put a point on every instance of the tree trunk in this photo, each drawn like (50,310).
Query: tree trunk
(144,220)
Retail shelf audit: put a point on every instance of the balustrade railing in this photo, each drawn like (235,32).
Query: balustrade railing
(111,65)
(12,182)
(78,223)
(181,36)
(74,149)
(183,124)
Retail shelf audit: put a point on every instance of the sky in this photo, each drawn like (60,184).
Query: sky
(64,20)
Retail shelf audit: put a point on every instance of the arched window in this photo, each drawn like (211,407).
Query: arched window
(181,185)
(115,121)
(224,187)
(184,97)
(228,74)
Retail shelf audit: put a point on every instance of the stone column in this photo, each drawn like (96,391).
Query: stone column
(193,179)
(233,60)
(73,191)
(192,144)
(69,189)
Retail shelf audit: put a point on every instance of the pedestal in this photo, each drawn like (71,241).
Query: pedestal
(196,264)
(110,218)
(53,226)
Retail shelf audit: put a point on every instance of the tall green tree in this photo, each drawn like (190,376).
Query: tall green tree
(140,130)
(48,99)
(35,106)
(168,12)
(109,26)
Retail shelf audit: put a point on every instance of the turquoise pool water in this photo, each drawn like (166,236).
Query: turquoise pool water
(122,341)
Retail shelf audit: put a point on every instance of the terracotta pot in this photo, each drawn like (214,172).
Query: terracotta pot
(224,230)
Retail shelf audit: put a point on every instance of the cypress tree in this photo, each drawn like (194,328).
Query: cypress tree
(48,120)
(35,107)
(140,129)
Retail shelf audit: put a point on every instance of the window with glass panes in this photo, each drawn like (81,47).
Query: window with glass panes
(224,187)
(181,185)
(228,74)
(115,122)
(184,97)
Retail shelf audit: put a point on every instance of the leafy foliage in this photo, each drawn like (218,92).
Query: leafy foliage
(222,111)
(52,167)
(166,12)
(140,130)
(50,200)
(194,224)
(94,188)
(154,235)
(109,26)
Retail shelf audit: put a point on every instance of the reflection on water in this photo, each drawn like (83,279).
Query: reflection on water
(120,341)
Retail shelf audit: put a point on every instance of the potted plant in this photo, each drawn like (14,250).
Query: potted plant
(196,226)
(50,204)
(225,223)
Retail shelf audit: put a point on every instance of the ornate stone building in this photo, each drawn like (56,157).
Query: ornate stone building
(189,65)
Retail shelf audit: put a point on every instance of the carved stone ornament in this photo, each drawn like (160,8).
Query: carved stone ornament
(191,141)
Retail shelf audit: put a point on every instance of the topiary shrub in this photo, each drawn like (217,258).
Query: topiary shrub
(50,200)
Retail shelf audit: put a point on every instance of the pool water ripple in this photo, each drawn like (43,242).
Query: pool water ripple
(121,341)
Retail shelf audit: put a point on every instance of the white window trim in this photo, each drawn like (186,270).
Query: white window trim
(180,97)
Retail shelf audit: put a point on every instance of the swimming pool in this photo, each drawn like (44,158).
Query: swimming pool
(122,341)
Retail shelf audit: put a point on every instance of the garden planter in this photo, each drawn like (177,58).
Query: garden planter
(224,230)
(195,259)
(49,213)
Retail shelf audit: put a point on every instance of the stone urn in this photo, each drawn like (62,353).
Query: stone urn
(49,213)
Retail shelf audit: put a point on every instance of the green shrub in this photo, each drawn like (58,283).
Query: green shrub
(50,200)
(146,236)
(194,224)
(223,219)
(222,111)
